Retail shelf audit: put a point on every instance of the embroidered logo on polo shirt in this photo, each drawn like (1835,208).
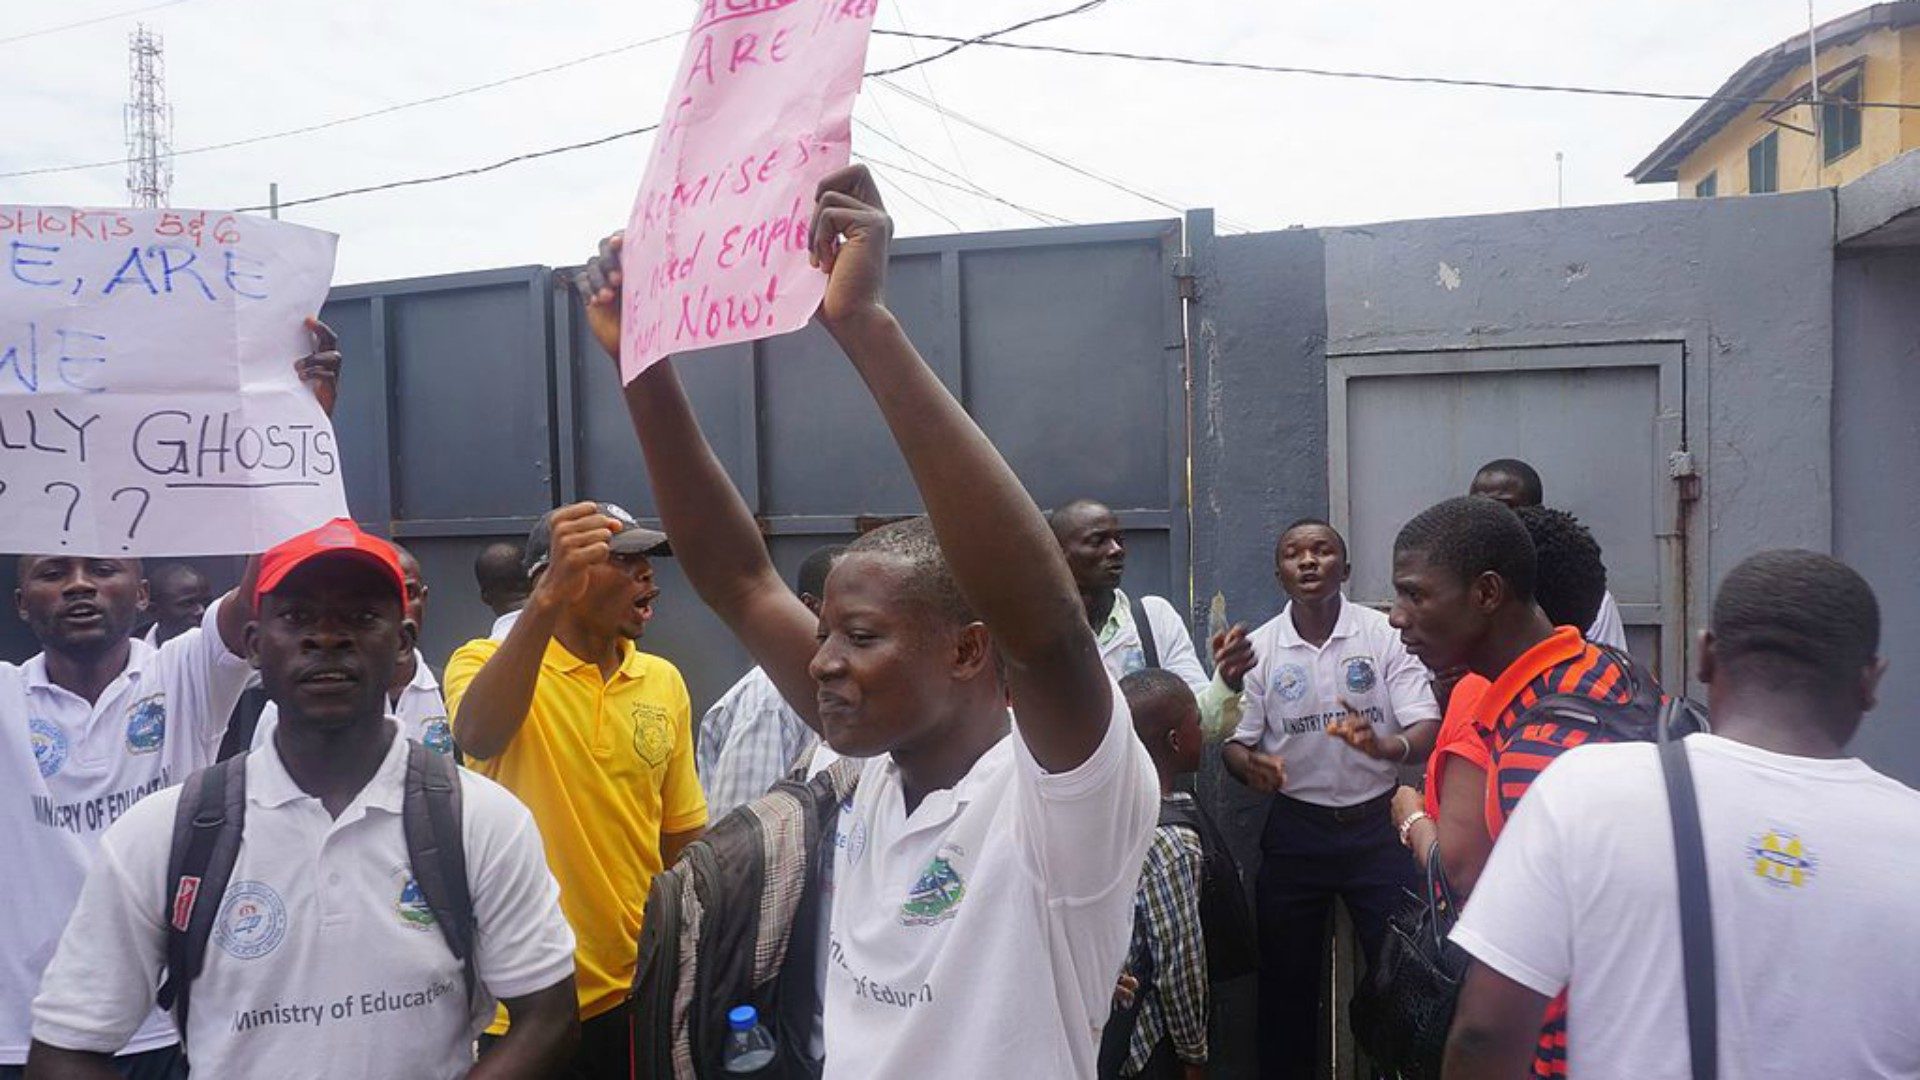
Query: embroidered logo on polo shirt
(1780,858)
(1359,674)
(412,906)
(652,734)
(147,725)
(437,735)
(1291,682)
(49,746)
(936,895)
(252,920)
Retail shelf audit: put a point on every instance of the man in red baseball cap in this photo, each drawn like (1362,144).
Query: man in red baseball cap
(322,912)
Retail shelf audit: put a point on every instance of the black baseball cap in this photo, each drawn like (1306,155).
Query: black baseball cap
(629,538)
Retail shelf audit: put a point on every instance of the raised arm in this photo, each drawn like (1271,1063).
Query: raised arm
(714,535)
(1004,558)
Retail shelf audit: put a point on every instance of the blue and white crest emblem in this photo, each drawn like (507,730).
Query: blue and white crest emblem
(1292,682)
(1359,673)
(49,746)
(412,905)
(437,735)
(147,725)
(252,920)
(936,895)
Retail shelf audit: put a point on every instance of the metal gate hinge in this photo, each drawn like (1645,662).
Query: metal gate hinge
(1683,471)
(1183,277)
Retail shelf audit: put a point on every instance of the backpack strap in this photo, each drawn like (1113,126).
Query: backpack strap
(1145,630)
(208,825)
(1696,907)
(430,815)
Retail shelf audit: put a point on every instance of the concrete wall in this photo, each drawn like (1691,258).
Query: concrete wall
(1742,284)
(1876,477)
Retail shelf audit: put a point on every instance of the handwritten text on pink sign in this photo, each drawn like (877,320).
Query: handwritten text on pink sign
(716,249)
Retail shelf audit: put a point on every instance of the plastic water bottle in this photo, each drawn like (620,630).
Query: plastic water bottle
(749,1045)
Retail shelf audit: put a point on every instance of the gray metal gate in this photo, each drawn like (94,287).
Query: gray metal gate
(1406,430)
(474,402)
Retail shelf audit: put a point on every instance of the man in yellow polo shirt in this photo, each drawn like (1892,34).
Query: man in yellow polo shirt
(596,738)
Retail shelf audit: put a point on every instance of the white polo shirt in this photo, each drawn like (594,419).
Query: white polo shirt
(80,766)
(325,961)
(1295,690)
(1123,654)
(421,711)
(981,935)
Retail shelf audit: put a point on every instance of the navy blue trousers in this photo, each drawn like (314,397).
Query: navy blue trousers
(1309,855)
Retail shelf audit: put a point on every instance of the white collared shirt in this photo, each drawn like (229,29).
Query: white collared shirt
(1295,690)
(503,624)
(324,960)
(981,935)
(1123,654)
(1607,629)
(421,711)
(79,767)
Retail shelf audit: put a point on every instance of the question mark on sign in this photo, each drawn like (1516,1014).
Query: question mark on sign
(66,523)
(146,499)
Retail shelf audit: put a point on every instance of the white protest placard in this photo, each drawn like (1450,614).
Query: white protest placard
(148,400)
(760,113)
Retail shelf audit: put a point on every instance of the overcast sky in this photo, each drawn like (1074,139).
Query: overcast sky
(1265,151)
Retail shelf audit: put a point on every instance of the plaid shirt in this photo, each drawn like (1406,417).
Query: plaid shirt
(749,739)
(1168,929)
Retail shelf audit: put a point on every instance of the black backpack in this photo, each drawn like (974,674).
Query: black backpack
(209,826)
(1226,926)
(1226,919)
(1635,720)
(718,932)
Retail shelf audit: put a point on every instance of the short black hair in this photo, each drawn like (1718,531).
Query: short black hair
(500,567)
(811,580)
(1298,523)
(1150,687)
(1570,578)
(1062,516)
(912,541)
(168,573)
(1795,621)
(1470,536)
(1530,486)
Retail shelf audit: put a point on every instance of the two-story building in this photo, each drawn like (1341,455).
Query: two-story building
(1729,147)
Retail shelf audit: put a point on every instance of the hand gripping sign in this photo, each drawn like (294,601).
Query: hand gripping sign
(761,111)
(148,400)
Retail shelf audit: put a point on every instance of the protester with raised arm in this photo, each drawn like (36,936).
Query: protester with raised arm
(978,922)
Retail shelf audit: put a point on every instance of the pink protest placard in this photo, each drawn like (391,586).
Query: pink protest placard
(762,110)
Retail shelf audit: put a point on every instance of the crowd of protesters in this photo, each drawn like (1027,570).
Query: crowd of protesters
(1021,883)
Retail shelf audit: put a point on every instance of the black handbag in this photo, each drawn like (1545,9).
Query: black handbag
(1402,1011)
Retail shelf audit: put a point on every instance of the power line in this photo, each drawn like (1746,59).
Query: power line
(921,203)
(978,192)
(961,43)
(969,186)
(477,170)
(95,21)
(1118,185)
(1374,76)
(927,81)
(370,114)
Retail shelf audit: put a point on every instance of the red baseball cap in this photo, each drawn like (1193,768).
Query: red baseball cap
(339,538)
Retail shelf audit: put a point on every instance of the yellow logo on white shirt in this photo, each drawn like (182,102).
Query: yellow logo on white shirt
(1780,858)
